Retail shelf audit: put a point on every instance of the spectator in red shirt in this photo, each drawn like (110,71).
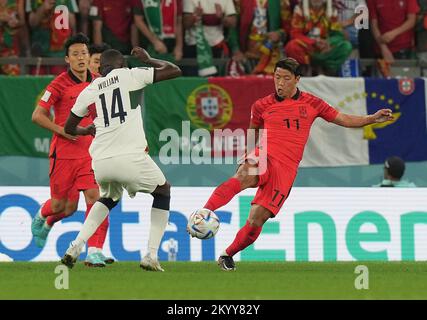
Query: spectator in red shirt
(392,25)
(112,23)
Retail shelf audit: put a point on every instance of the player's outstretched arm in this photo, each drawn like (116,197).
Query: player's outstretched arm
(71,126)
(353,121)
(164,70)
(41,117)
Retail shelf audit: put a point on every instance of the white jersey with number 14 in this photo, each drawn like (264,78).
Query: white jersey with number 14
(119,127)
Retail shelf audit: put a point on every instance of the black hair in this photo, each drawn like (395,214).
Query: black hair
(289,64)
(98,48)
(395,167)
(78,38)
(111,59)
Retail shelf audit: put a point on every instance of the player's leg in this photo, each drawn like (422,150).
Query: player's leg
(42,222)
(70,208)
(246,235)
(110,194)
(150,179)
(85,181)
(158,222)
(61,180)
(226,191)
(94,257)
(276,185)
(97,215)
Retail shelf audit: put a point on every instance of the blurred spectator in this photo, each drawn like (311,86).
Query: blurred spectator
(317,37)
(95,51)
(83,17)
(347,16)
(394,168)
(206,19)
(392,25)
(422,33)
(50,30)
(161,23)
(112,23)
(264,27)
(12,18)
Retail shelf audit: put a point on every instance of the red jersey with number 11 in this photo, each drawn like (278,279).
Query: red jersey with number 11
(288,123)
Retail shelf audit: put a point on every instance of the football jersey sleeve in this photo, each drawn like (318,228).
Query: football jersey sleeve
(256,115)
(141,77)
(84,100)
(49,98)
(325,110)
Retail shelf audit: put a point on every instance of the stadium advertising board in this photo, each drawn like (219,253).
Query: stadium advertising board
(315,224)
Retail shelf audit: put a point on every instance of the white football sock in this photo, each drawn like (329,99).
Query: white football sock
(96,216)
(159,221)
(92,250)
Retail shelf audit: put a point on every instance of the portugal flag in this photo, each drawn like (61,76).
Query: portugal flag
(188,104)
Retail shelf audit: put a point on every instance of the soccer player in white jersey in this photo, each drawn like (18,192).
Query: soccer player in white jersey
(119,150)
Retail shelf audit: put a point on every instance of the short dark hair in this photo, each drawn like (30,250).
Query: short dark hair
(78,38)
(395,167)
(111,59)
(289,64)
(98,48)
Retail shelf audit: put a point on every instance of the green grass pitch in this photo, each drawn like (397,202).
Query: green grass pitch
(204,280)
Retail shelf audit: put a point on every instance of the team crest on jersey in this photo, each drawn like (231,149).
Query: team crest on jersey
(303,112)
(406,86)
(210,107)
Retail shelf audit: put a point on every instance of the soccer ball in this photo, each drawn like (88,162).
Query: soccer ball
(203,224)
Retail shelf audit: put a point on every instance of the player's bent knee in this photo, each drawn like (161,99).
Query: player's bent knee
(248,182)
(246,177)
(108,202)
(91,196)
(161,201)
(164,190)
(57,206)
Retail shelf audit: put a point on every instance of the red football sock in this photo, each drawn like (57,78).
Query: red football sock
(102,233)
(51,220)
(46,210)
(245,237)
(223,194)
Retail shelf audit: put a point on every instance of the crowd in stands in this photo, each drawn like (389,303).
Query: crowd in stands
(252,34)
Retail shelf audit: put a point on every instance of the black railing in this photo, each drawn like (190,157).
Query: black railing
(25,63)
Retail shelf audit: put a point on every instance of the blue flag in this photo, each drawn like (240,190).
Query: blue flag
(407,136)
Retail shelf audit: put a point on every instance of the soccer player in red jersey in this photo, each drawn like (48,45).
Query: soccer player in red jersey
(70,162)
(286,117)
